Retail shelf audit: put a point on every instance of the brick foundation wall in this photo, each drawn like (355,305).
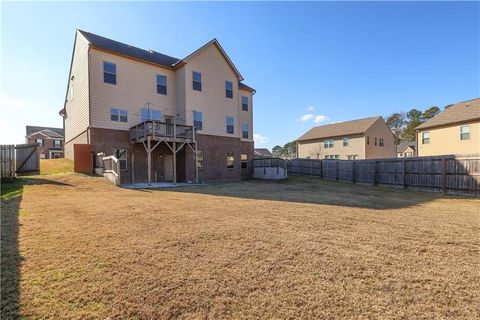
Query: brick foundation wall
(215,149)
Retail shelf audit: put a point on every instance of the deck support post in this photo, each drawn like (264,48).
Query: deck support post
(196,154)
(174,152)
(149,157)
(133,165)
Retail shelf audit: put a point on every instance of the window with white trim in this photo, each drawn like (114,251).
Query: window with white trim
(464,132)
(118,115)
(109,72)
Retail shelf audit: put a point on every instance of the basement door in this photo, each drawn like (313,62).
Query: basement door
(168,167)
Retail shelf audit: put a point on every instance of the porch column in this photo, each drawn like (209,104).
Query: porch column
(174,162)
(149,157)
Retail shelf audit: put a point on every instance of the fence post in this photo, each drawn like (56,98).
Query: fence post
(375,172)
(353,172)
(336,170)
(404,173)
(444,175)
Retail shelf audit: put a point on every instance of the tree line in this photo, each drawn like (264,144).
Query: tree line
(403,124)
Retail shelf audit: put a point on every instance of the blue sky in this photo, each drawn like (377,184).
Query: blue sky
(312,63)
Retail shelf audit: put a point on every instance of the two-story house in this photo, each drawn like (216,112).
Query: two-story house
(367,138)
(456,130)
(48,139)
(165,118)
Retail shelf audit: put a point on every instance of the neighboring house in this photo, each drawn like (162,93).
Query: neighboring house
(367,138)
(456,130)
(118,95)
(407,149)
(49,141)
(263,153)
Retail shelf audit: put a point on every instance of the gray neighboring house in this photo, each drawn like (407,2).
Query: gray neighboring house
(262,153)
(48,139)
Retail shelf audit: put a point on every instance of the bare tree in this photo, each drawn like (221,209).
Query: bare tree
(317,152)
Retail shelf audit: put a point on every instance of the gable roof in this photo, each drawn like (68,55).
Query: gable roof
(460,112)
(358,126)
(219,47)
(49,132)
(264,152)
(130,51)
(405,144)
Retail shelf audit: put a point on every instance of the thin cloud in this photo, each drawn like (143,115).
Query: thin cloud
(307,117)
(320,118)
(259,139)
(310,108)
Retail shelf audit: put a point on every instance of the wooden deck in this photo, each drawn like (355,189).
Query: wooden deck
(161,131)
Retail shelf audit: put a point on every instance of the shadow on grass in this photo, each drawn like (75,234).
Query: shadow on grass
(9,253)
(314,190)
(11,197)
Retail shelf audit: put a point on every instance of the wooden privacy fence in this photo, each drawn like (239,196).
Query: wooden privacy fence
(450,174)
(19,159)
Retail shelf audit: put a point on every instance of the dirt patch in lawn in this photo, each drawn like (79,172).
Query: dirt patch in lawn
(243,250)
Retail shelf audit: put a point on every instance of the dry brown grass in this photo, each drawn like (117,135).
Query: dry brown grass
(305,249)
(54,166)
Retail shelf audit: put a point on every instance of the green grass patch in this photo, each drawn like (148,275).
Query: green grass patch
(11,188)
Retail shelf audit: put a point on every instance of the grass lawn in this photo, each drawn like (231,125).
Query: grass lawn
(77,247)
(54,166)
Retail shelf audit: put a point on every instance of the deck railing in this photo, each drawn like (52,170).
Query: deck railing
(157,129)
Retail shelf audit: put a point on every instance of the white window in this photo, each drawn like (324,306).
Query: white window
(345,142)
(464,132)
(118,115)
(109,72)
(328,143)
(230,160)
(245,131)
(57,143)
(244,103)
(151,115)
(161,84)
(230,125)
(425,137)
(39,142)
(197,120)
(244,160)
(197,81)
(352,157)
(228,89)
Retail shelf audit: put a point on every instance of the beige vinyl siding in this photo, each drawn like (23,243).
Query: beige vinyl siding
(356,146)
(446,140)
(380,130)
(79,139)
(211,101)
(180,94)
(136,85)
(245,116)
(77,119)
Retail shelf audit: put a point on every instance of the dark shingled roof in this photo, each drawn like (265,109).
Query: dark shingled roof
(130,51)
(404,144)
(264,152)
(339,129)
(245,87)
(460,112)
(35,129)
